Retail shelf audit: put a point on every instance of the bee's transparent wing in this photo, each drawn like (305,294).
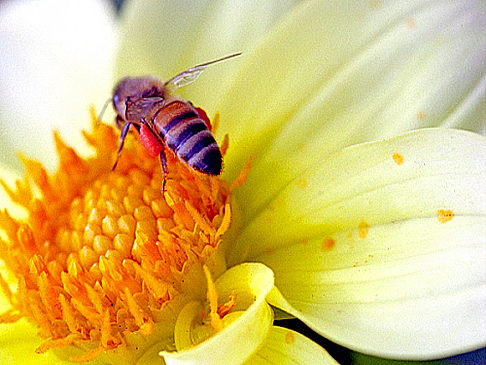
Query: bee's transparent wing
(184,78)
(191,75)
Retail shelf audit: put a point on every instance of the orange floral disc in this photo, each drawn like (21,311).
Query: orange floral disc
(103,252)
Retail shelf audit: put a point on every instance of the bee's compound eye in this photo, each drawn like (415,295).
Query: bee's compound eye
(116,99)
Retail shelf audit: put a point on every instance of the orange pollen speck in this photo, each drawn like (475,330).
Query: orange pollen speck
(327,243)
(444,215)
(398,158)
(289,338)
(102,252)
(363,229)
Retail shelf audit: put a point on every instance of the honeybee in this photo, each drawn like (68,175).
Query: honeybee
(164,119)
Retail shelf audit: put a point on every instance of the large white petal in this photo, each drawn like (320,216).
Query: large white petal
(56,58)
(413,289)
(382,248)
(335,74)
(410,176)
(164,38)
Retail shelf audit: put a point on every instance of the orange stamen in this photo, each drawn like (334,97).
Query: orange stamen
(225,144)
(225,308)
(242,176)
(102,253)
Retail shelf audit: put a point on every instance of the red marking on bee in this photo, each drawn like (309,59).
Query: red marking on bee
(202,114)
(150,142)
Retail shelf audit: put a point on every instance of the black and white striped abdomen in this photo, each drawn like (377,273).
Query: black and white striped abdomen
(188,136)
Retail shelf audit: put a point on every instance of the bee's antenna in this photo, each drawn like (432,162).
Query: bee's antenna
(219,59)
(98,120)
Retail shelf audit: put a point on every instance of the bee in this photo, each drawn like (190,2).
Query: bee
(163,119)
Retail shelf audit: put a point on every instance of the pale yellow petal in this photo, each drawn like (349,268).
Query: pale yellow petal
(332,75)
(410,176)
(413,289)
(382,249)
(287,347)
(164,38)
(18,342)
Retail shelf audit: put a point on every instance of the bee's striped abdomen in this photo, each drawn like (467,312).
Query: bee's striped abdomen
(187,135)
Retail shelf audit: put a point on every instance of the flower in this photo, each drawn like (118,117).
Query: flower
(378,246)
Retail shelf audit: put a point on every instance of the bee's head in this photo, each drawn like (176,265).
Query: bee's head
(134,88)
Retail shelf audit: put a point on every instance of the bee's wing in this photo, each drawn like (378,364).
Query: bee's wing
(184,78)
(191,75)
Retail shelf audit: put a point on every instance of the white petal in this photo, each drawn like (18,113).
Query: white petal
(57,57)
(287,347)
(333,74)
(413,289)
(164,38)
(440,169)
(382,248)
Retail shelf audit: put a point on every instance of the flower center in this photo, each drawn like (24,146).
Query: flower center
(103,253)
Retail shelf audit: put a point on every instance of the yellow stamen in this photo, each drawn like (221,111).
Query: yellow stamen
(103,252)
(9,317)
(225,223)
(56,343)
(216,321)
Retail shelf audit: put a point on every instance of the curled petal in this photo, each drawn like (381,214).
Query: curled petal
(284,346)
(244,334)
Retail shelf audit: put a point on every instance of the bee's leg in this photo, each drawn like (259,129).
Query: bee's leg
(163,163)
(119,122)
(123,135)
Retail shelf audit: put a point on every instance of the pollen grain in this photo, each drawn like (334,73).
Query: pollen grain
(363,229)
(327,244)
(444,215)
(289,338)
(398,158)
